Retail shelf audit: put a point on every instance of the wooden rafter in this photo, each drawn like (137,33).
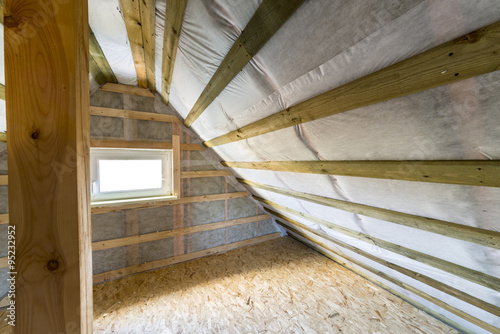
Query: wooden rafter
(472,234)
(266,21)
(472,275)
(484,173)
(48,154)
(465,57)
(174,14)
(99,66)
(139,19)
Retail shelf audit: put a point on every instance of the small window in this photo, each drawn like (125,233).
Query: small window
(130,174)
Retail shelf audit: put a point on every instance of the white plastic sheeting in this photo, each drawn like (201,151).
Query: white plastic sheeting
(323,45)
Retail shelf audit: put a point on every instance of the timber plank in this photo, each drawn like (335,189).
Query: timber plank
(97,55)
(4,180)
(148,11)
(148,116)
(204,173)
(485,173)
(125,89)
(142,144)
(2,92)
(465,57)
(4,218)
(176,163)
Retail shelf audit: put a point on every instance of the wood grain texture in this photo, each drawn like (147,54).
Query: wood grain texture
(485,173)
(452,268)
(105,73)
(47,89)
(465,57)
(131,10)
(142,144)
(107,244)
(174,15)
(476,235)
(4,180)
(125,89)
(268,18)
(109,275)
(204,173)
(176,163)
(148,11)
(339,257)
(298,228)
(148,116)
(184,200)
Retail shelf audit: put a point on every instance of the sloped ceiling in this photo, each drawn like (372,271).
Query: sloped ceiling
(324,45)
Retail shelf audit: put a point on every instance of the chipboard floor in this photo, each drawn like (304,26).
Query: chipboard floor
(280,286)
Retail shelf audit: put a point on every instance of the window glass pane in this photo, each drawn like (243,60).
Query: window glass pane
(122,175)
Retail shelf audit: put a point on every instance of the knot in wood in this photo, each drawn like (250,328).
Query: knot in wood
(52,265)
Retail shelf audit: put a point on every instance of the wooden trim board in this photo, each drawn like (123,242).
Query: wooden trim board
(147,116)
(125,89)
(462,58)
(142,144)
(109,275)
(485,173)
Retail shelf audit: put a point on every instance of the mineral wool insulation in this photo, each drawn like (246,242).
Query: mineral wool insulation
(326,44)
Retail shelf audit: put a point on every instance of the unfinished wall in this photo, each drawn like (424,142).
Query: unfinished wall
(114,225)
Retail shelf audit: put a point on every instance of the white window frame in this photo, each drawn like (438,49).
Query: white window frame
(97,154)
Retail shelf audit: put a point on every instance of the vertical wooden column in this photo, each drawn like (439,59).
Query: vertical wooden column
(47,96)
(178,209)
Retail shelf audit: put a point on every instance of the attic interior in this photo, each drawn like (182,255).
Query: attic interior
(248,166)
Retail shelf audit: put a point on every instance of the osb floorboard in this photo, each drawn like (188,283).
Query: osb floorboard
(280,286)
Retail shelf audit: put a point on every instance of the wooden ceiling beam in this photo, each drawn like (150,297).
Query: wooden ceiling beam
(99,66)
(465,57)
(139,19)
(484,173)
(266,21)
(174,16)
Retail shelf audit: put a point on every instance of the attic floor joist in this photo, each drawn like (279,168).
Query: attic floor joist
(268,18)
(465,57)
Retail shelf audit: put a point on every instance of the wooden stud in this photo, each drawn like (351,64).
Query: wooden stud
(125,89)
(96,54)
(184,200)
(142,144)
(321,247)
(176,232)
(476,235)
(4,218)
(297,228)
(174,14)
(47,93)
(176,159)
(204,173)
(147,116)
(484,173)
(4,180)
(109,275)
(452,268)
(148,16)
(266,21)
(465,57)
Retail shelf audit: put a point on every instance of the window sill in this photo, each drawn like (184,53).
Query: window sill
(102,204)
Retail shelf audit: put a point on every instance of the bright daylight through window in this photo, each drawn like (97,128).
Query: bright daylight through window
(130,174)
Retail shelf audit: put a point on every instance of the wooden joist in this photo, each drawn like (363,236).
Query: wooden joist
(125,89)
(109,275)
(47,89)
(452,268)
(184,200)
(298,228)
(148,116)
(476,235)
(100,70)
(204,173)
(142,144)
(321,247)
(174,15)
(100,245)
(484,173)
(139,20)
(268,18)
(465,57)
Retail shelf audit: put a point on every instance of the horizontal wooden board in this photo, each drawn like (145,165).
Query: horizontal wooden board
(184,200)
(147,116)
(4,180)
(100,245)
(4,218)
(109,275)
(142,144)
(125,89)
(484,173)
(204,173)
(465,57)
(476,235)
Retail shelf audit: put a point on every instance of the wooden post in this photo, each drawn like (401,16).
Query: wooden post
(47,96)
